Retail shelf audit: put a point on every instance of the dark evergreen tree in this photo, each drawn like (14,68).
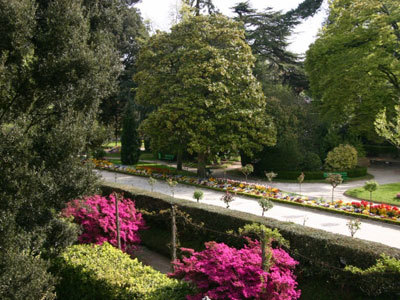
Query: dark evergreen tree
(54,71)
(267,33)
(130,142)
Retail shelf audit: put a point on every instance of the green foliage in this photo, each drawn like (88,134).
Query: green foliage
(389,130)
(51,83)
(199,76)
(24,276)
(197,194)
(371,186)
(23,273)
(104,272)
(320,253)
(247,170)
(130,141)
(383,277)
(342,157)
(267,32)
(354,65)
(265,204)
(353,225)
(311,162)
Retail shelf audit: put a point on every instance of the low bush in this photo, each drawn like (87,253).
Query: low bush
(90,272)
(311,162)
(357,172)
(320,253)
(379,150)
(342,157)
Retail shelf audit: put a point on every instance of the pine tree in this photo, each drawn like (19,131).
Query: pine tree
(130,142)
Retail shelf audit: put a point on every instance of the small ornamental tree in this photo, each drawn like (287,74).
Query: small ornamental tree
(197,194)
(334,180)
(247,170)
(227,198)
(270,176)
(130,142)
(265,204)
(152,181)
(300,179)
(222,272)
(343,157)
(371,186)
(353,226)
(96,216)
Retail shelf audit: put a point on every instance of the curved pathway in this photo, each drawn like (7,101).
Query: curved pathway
(387,234)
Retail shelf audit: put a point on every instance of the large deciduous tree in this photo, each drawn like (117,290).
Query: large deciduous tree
(200,78)
(354,65)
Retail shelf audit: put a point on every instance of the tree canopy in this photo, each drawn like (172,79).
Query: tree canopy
(200,78)
(354,65)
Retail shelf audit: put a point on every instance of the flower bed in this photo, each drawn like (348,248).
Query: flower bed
(382,212)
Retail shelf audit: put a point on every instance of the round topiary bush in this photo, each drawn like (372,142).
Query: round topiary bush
(343,157)
(311,162)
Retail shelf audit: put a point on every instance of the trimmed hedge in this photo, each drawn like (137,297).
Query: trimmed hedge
(378,150)
(320,253)
(319,175)
(104,272)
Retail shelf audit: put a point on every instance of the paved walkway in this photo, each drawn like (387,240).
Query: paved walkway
(383,174)
(373,231)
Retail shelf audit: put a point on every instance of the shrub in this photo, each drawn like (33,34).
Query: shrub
(25,276)
(383,277)
(223,272)
(311,162)
(104,272)
(357,172)
(96,215)
(342,157)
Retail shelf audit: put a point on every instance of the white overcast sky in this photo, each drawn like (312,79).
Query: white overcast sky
(159,13)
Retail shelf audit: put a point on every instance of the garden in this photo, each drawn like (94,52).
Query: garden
(213,89)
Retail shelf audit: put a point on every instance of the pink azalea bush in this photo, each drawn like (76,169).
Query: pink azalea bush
(96,216)
(222,272)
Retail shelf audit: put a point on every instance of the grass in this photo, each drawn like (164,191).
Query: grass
(386,193)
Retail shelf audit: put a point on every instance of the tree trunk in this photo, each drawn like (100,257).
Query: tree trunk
(263,251)
(173,232)
(117,221)
(201,165)
(179,159)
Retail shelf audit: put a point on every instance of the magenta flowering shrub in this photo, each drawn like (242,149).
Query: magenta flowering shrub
(222,272)
(96,216)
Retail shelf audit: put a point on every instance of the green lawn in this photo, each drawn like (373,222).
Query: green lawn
(386,193)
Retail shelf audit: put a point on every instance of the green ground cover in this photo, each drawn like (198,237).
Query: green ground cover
(386,193)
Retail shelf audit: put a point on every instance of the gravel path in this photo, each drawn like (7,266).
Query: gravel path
(373,231)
